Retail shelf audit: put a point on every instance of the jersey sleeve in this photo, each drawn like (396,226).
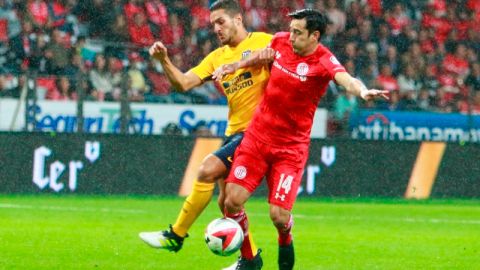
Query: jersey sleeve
(331,64)
(205,68)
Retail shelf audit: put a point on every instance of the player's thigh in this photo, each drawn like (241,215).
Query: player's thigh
(211,169)
(285,176)
(249,167)
(226,152)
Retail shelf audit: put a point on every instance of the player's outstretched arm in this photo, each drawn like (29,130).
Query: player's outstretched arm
(259,57)
(182,82)
(356,87)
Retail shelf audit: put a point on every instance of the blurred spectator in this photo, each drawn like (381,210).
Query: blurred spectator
(386,79)
(160,87)
(172,35)
(140,33)
(257,15)
(137,82)
(345,105)
(63,90)
(119,30)
(131,8)
(201,130)
(408,82)
(393,104)
(172,129)
(383,39)
(11,86)
(157,15)
(336,16)
(38,13)
(24,45)
(392,60)
(57,53)
(10,25)
(101,81)
(430,81)
(397,19)
(457,63)
(424,102)
(438,39)
(473,79)
(201,13)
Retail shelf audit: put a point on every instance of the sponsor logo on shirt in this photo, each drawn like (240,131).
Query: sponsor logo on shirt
(240,172)
(237,83)
(302,78)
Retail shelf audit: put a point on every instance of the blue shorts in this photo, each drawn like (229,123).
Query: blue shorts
(230,144)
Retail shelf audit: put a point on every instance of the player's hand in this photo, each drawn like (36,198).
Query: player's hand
(223,70)
(266,55)
(369,94)
(158,51)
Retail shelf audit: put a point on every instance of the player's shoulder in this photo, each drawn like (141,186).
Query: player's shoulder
(218,51)
(261,35)
(327,59)
(324,53)
(280,38)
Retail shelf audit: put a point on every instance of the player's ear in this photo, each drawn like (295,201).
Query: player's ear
(238,19)
(315,35)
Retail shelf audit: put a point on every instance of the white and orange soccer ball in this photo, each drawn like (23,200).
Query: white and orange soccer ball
(224,236)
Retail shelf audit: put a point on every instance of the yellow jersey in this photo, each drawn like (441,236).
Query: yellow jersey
(244,88)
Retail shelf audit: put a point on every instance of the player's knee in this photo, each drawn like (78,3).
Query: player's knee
(210,171)
(232,204)
(279,216)
(207,174)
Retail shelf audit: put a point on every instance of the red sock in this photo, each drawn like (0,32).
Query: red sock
(285,233)
(241,218)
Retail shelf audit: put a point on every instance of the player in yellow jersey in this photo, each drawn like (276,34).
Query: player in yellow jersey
(243,90)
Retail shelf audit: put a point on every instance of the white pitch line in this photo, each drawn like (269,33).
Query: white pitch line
(72,209)
(405,220)
(312,217)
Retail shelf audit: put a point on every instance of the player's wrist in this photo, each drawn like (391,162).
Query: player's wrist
(363,92)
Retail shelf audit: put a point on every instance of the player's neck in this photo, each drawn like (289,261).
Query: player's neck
(241,35)
(310,50)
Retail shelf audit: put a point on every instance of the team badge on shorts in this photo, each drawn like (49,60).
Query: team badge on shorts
(240,172)
(302,69)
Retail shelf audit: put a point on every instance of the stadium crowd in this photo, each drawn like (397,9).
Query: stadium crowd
(425,52)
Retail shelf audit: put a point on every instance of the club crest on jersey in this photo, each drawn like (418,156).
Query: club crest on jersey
(240,172)
(246,54)
(277,55)
(302,69)
(334,60)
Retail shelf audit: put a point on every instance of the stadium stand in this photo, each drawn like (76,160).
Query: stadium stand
(427,51)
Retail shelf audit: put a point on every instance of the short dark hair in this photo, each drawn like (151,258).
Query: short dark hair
(316,21)
(232,7)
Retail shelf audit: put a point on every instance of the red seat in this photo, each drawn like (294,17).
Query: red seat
(3,30)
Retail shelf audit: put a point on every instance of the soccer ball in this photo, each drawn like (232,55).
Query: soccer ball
(224,236)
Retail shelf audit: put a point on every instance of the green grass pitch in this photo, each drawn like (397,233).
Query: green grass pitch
(90,232)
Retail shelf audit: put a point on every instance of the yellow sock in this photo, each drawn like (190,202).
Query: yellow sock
(252,244)
(193,206)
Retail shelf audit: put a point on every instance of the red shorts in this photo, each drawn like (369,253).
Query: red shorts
(282,166)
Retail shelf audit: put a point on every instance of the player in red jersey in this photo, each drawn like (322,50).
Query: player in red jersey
(277,140)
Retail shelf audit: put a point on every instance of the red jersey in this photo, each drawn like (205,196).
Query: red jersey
(296,84)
